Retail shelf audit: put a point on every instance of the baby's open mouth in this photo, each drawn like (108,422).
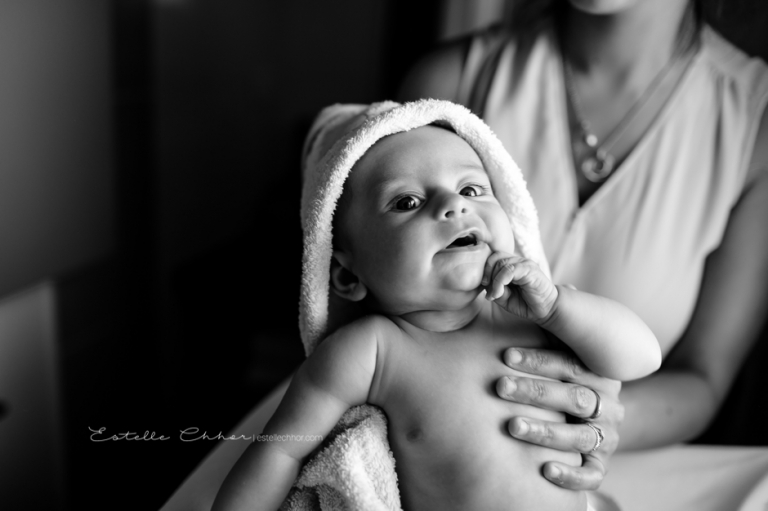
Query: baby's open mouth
(465,241)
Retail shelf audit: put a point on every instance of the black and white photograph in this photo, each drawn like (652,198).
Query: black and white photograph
(379,255)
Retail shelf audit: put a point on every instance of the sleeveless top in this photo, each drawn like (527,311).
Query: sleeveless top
(643,237)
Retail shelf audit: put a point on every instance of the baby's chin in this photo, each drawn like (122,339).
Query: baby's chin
(465,279)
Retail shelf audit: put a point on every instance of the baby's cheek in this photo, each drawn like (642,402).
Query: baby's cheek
(498,224)
(506,240)
(396,272)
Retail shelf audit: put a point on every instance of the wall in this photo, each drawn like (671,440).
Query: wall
(56,168)
(31,475)
(236,84)
(57,207)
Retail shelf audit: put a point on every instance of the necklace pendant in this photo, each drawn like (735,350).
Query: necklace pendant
(598,167)
(591,140)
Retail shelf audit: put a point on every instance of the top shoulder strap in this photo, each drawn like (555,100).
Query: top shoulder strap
(480,65)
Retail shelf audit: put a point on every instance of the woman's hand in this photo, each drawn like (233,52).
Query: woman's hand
(575,395)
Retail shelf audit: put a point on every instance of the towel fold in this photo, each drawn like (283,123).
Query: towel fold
(355,469)
(355,472)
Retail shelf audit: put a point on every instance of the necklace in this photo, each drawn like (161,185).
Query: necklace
(599,162)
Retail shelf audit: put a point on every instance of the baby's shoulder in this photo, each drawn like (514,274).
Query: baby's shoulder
(354,344)
(373,327)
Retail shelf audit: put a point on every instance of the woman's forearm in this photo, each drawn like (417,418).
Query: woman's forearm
(664,408)
(679,402)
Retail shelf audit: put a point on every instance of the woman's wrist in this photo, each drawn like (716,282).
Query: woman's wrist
(665,408)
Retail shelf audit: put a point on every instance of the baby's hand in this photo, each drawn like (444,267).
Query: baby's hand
(531,294)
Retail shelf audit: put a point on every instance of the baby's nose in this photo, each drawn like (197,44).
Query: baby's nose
(453,205)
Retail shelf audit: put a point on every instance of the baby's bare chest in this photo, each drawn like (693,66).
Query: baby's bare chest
(436,386)
(446,424)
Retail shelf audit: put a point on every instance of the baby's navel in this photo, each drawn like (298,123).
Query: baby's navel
(414,435)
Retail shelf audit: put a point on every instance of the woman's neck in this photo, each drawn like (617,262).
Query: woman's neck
(636,41)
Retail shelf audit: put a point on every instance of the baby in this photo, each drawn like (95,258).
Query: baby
(425,247)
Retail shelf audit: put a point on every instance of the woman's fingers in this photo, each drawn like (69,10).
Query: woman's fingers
(558,365)
(589,476)
(573,399)
(574,394)
(567,437)
(561,436)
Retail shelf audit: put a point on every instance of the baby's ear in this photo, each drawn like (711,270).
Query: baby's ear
(343,282)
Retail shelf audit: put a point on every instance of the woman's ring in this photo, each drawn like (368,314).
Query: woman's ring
(598,407)
(599,436)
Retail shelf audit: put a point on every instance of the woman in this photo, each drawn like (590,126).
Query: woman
(644,143)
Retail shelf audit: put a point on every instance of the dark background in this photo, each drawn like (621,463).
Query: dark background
(192,318)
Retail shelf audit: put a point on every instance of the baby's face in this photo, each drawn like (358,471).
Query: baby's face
(422,221)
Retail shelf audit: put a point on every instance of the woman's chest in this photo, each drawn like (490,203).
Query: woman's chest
(643,236)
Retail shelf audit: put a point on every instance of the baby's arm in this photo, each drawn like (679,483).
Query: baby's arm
(337,376)
(608,337)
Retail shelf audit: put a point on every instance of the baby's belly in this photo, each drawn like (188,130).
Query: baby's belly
(471,462)
(448,432)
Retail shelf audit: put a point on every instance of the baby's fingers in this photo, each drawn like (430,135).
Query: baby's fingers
(490,263)
(505,271)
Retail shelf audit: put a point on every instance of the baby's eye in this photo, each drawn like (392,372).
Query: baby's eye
(471,191)
(407,203)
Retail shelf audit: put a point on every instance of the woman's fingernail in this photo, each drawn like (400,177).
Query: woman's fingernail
(554,474)
(509,385)
(514,357)
(520,427)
